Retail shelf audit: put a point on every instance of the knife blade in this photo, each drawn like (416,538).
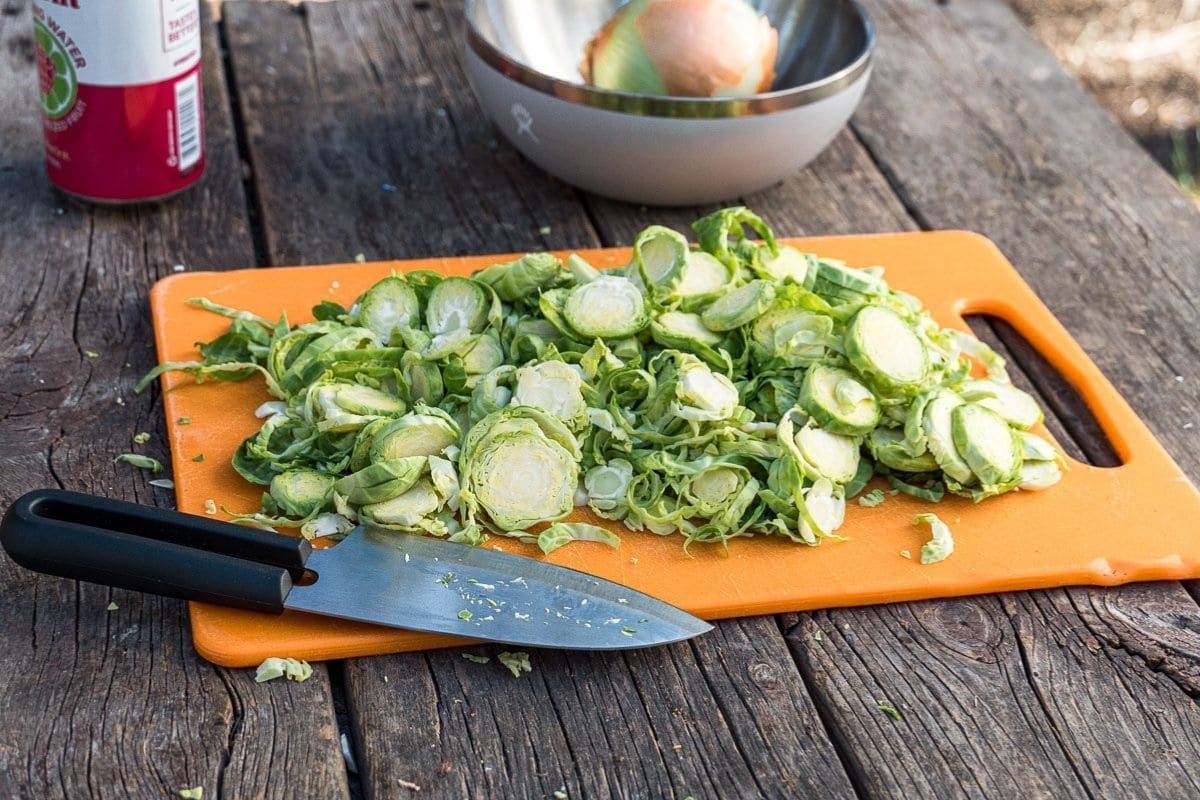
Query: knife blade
(419,583)
(374,575)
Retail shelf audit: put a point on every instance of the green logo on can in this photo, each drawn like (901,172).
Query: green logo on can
(56,73)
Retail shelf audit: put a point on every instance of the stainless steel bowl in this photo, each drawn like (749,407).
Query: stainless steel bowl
(523,60)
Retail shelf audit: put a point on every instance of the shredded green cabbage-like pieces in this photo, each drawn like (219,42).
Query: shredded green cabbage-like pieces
(941,545)
(289,668)
(736,387)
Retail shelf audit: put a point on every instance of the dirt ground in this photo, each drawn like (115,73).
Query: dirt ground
(1141,58)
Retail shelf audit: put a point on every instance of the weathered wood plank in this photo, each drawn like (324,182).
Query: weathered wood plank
(100,703)
(596,725)
(726,717)
(361,140)
(1142,643)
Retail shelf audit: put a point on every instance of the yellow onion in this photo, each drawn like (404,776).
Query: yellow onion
(688,48)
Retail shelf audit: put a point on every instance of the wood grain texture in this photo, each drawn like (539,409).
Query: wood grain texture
(99,703)
(364,138)
(725,716)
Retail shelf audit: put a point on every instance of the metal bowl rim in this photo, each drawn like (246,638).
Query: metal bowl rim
(674,106)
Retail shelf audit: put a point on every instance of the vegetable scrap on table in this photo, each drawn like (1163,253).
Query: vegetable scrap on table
(517,662)
(290,668)
(730,388)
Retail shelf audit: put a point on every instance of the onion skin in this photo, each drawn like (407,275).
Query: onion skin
(695,48)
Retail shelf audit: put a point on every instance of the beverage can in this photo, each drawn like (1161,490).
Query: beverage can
(122,96)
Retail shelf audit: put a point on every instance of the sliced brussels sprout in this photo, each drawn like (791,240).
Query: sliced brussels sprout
(883,347)
(680,329)
(701,394)
(523,278)
(327,524)
(561,533)
(554,387)
(425,384)
(456,303)
(552,305)
(659,256)
(530,339)
(1037,475)
(456,342)
(889,448)
(518,419)
(492,393)
(520,479)
(360,450)
(598,360)
(915,440)
(606,486)
(295,368)
(941,545)
(703,276)
(986,443)
(929,490)
(388,306)
(722,234)
(789,264)
(939,433)
(606,421)
(301,492)
(1018,408)
(714,487)
(996,364)
(823,510)
(1035,448)
(739,307)
(581,270)
(793,336)
(337,407)
(836,274)
(415,434)
(483,357)
(828,455)
(279,445)
(445,481)
(609,307)
(381,481)
(405,510)
(838,401)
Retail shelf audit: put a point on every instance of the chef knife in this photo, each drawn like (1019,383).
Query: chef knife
(374,575)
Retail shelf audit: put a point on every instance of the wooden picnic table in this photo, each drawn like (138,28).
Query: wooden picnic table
(347,127)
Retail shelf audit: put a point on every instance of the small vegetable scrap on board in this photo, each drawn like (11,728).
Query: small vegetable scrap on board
(734,387)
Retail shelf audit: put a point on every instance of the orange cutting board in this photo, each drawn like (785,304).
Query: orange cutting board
(1135,522)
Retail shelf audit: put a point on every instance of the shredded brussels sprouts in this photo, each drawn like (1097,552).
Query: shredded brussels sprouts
(734,387)
(290,668)
(941,543)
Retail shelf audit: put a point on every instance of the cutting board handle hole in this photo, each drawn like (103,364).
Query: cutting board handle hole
(1068,417)
(307,578)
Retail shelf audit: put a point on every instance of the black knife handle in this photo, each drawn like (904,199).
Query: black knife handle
(151,550)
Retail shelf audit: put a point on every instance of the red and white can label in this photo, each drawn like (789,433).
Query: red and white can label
(121,96)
